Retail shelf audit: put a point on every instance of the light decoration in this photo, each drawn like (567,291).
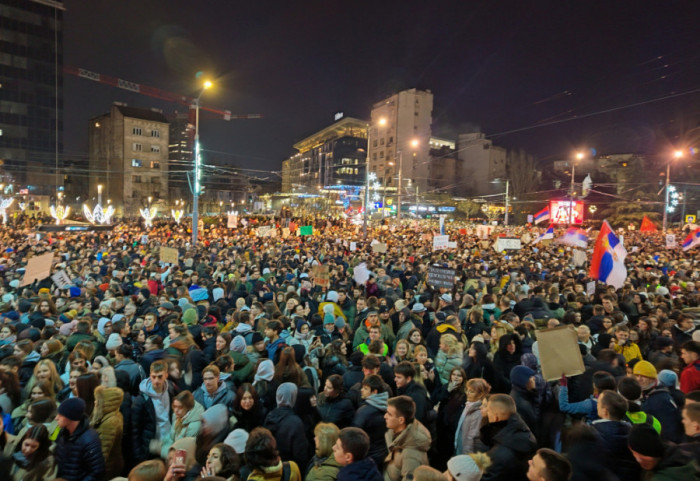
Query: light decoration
(148,214)
(674,197)
(60,213)
(177,215)
(22,206)
(4,205)
(592,209)
(99,215)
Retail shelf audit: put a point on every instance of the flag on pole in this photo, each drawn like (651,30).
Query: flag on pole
(647,225)
(608,262)
(548,234)
(542,215)
(574,237)
(692,240)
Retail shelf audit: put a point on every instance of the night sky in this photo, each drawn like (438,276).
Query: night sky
(507,67)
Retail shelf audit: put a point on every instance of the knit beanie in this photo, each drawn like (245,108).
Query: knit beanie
(520,375)
(114,341)
(328,319)
(237,440)
(238,344)
(145,292)
(189,317)
(256,338)
(72,408)
(339,322)
(301,324)
(668,378)
(646,369)
(463,468)
(644,440)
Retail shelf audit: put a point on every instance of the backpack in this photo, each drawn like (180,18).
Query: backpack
(286,472)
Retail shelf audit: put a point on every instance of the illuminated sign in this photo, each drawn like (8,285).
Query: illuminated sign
(566,212)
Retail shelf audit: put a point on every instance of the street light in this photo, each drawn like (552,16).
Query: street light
(677,155)
(381,121)
(197,166)
(414,144)
(579,156)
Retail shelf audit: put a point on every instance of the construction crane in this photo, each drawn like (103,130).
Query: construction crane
(191,102)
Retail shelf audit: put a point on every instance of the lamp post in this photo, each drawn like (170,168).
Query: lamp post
(579,156)
(505,218)
(414,144)
(197,166)
(677,154)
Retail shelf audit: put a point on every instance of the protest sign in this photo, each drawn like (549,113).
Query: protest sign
(441,277)
(38,268)
(169,255)
(285,232)
(61,279)
(353,246)
(590,288)
(507,243)
(306,230)
(379,247)
(440,242)
(579,257)
(671,241)
(361,274)
(483,231)
(232,222)
(321,275)
(559,353)
(452,245)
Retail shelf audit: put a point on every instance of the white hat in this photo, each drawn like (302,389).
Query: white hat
(463,468)
(237,439)
(446,297)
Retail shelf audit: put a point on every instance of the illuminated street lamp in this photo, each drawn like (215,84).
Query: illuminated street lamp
(196,182)
(667,208)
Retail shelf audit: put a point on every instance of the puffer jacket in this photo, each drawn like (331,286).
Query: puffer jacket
(290,434)
(109,426)
(188,428)
(79,455)
(223,395)
(444,363)
(338,410)
(370,418)
(407,451)
(509,444)
(323,469)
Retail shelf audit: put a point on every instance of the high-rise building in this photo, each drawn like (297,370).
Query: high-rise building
(333,158)
(129,157)
(400,138)
(31,93)
(479,163)
(180,155)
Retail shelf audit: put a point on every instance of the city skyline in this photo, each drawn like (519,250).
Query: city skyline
(518,72)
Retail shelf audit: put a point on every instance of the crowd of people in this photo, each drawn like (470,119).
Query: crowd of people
(245,361)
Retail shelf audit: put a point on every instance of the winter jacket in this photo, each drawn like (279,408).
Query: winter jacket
(338,410)
(690,377)
(243,368)
(407,451)
(222,395)
(109,428)
(144,421)
(289,431)
(323,469)
(525,402)
(135,372)
(150,357)
(444,364)
(616,455)
(675,465)
(419,394)
(450,407)
(189,427)
(659,403)
(509,444)
(587,407)
(275,473)
(370,418)
(79,455)
(362,470)
(42,469)
(432,341)
(468,428)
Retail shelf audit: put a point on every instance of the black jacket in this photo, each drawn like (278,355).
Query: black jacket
(289,432)
(371,420)
(509,444)
(338,410)
(362,470)
(659,403)
(616,455)
(419,394)
(79,455)
(144,425)
(525,401)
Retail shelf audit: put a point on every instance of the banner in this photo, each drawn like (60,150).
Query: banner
(321,275)
(441,277)
(440,242)
(169,255)
(306,230)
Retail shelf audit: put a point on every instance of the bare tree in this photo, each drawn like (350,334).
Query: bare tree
(522,171)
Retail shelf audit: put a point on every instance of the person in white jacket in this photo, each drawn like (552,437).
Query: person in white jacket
(470,421)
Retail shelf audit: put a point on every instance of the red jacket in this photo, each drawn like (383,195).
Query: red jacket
(690,377)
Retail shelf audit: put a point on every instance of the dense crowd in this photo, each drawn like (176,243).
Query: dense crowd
(245,360)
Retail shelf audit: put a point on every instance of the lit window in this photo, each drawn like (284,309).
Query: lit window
(136,163)
(155,165)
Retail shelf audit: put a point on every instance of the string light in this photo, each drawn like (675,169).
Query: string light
(4,205)
(148,214)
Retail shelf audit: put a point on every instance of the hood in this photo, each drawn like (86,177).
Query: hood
(415,436)
(32,357)
(216,418)
(277,417)
(194,414)
(362,469)
(615,431)
(516,436)
(112,398)
(378,400)
(265,371)
(286,395)
(146,387)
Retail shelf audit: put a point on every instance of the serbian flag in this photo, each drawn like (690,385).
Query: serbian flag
(548,234)
(542,215)
(608,263)
(647,225)
(692,240)
(574,237)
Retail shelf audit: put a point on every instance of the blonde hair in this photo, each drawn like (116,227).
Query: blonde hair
(409,350)
(418,349)
(482,460)
(479,386)
(327,434)
(453,346)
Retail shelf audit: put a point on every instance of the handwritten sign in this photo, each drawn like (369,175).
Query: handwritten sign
(61,279)
(169,255)
(441,277)
(321,275)
(440,242)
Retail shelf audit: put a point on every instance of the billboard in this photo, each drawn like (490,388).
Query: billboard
(566,212)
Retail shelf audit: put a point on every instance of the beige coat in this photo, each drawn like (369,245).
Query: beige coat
(109,424)
(407,451)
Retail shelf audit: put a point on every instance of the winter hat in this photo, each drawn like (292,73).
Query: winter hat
(520,375)
(257,337)
(74,291)
(72,408)
(114,341)
(217,293)
(189,317)
(446,297)
(117,317)
(67,328)
(644,440)
(328,319)
(399,304)
(145,292)
(332,296)
(339,322)
(237,439)
(418,307)
(329,309)
(286,395)
(646,369)
(238,344)
(101,324)
(301,324)
(167,305)
(668,378)
(463,468)
(216,418)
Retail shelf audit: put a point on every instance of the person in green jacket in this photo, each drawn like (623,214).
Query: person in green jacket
(323,466)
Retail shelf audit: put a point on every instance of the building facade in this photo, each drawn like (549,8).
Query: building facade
(333,158)
(180,150)
(31,96)
(479,163)
(400,140)
(129,157)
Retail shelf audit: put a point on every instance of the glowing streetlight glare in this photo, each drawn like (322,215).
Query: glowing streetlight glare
(382,121)
(678,154)
(414,143)
(99,189)
(579,155)
(207,84)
